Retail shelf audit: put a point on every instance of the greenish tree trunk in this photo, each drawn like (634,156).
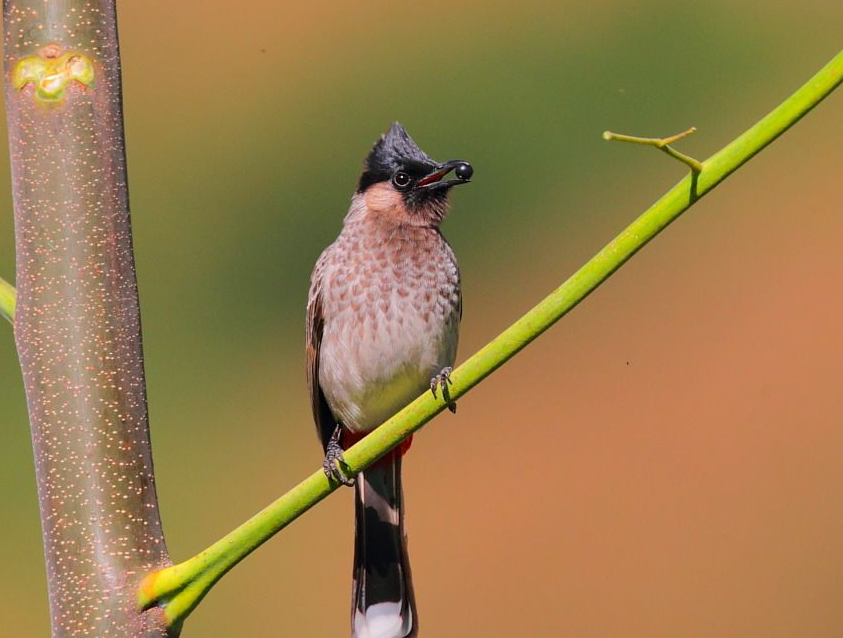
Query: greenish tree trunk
(77,323)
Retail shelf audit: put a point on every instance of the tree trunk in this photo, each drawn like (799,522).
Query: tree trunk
(77,325)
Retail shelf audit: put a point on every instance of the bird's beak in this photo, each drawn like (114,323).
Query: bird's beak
(433,180)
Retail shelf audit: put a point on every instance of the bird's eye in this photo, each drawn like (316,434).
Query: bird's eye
(401,180)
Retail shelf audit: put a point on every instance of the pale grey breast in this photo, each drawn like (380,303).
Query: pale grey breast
(391,308)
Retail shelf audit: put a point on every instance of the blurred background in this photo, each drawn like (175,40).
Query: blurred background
(666,461)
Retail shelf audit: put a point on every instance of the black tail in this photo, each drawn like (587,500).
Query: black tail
(382,604)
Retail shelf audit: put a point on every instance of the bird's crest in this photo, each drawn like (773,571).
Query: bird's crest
(395,149)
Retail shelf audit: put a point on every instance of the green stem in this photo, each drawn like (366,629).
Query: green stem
(181,587)
(7,300)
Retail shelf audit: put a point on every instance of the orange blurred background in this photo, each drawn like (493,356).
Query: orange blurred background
(667,461)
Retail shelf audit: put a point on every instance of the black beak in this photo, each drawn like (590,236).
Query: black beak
(433,180)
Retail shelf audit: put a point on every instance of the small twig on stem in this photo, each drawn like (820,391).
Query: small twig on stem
(661,143)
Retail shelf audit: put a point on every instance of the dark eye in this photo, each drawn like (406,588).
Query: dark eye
(401,180)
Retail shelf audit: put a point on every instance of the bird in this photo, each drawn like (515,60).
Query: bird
(382,326)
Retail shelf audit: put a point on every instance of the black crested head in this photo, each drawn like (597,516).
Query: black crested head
(415,185)
(394,151)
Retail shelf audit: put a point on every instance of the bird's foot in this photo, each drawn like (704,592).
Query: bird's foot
(442,381)
(334,462)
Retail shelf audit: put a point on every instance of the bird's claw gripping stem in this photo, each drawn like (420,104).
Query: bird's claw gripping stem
(442,381)
(334,461)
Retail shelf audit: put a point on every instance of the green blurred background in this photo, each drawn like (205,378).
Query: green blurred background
(667,461)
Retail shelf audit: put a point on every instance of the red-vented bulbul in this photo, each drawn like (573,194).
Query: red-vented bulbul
(383,316)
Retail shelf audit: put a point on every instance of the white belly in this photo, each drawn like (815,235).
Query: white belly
(373,363)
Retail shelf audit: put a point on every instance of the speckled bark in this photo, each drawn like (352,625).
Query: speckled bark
(77,326)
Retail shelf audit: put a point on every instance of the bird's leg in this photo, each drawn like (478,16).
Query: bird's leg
(334,460)
(442,381)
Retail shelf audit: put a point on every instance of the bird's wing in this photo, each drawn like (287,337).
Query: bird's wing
(325,421)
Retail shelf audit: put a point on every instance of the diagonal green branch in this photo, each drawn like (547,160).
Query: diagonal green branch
(7,301)
(180,588)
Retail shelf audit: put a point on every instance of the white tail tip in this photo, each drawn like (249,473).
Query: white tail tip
(382,620)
